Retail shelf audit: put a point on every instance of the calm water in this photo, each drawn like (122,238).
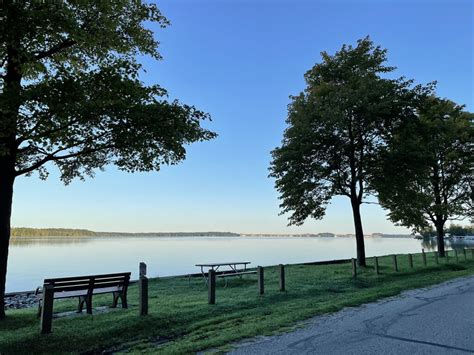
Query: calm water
(32,260)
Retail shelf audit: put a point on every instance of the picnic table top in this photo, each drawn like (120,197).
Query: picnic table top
(226,263)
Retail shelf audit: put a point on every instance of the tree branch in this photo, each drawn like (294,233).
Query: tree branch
(53,157)
(55,49)
(46,133)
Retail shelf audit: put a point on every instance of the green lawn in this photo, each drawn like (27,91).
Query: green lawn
(181,321)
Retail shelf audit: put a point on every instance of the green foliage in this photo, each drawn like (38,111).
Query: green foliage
(427,232)
(71,93)
(51,232)
(458,230)
(426,173)
(336,128)
(180,321)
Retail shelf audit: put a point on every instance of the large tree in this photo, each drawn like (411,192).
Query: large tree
(426,176)
(335,130)
(70,96)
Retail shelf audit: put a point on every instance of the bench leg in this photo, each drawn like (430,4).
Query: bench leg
(117,295)
(120,295)
(124,300)
(89,304)
(39,308)
(80,306)
(88,301)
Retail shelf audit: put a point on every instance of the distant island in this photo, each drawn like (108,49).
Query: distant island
(73,233)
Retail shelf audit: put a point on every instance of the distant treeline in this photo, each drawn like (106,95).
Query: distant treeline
(69,232)
(453,229)
(66,232)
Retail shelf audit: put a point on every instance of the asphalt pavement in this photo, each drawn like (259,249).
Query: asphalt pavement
(435,320)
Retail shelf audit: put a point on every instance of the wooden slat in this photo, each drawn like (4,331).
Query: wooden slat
(67,287)
(84,277)
(86,281)
(86,287)
(236,273)
(69,294)
(225,264)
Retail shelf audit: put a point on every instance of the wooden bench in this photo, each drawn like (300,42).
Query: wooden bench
(226,275)
(84,287)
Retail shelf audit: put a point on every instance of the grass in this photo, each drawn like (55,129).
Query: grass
(181,321)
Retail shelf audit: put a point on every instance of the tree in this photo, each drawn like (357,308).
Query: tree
(70,96)
(426,174)
(335,129)
(459,230)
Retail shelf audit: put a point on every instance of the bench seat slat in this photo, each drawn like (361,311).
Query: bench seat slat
(86,287)
(77,293)
(69,294)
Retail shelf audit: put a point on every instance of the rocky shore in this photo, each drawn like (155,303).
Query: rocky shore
(20,300)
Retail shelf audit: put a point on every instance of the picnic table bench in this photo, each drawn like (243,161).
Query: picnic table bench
(84,287)
(232,270)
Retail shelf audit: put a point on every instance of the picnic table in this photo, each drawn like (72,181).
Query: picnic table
(231,269)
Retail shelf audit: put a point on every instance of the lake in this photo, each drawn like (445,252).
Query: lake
(33,259)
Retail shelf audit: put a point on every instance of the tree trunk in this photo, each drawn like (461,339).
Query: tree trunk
(7,179)
(359,232)
(440,237)
(10,102)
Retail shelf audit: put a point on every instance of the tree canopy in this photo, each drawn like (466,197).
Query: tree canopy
(71,95)
(426,174)
(335,130)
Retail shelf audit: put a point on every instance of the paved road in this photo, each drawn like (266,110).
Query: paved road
(436,320)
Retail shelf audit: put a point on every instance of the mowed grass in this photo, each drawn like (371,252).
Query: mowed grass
(181,321)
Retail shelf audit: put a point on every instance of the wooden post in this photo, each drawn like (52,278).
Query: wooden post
(410,261)
(142,269)
(47,309)
(261,287)
(282,277)
(436,257)
(446,253)
(354,268)
(211,287)
(376,265)
(424,256)
(395,265)
(143,295)
(464,252)
(456,255)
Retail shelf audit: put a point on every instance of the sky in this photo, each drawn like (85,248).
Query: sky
(240,60)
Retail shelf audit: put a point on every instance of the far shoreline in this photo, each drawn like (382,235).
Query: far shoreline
(66,233)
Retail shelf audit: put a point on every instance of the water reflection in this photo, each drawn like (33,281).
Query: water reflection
(30,241)
(430,244)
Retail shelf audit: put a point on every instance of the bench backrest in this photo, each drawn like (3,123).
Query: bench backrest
(90,282)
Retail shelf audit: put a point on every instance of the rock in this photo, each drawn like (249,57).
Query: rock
(21,300)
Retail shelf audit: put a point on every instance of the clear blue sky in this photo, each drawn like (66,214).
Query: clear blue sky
(239,61)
